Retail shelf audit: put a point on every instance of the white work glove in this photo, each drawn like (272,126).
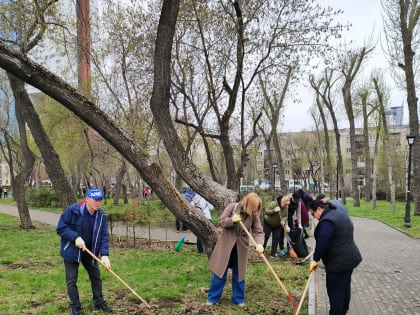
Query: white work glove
(286,229)
(277,209)
(259,249)
(236,218)
(79,242)
(106,261)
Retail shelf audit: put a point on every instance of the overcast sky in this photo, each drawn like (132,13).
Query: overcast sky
(365,17)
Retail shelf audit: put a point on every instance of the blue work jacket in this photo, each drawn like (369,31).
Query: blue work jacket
(69,227)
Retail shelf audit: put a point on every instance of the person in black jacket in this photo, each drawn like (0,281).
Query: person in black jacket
(336,247)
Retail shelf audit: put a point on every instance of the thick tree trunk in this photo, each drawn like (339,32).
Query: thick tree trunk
(28,157)
(51,160)
(409,17)
(386,143)
(150,171)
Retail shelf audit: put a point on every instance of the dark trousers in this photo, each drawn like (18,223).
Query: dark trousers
(339,291)
(72,273)
(200,247)
(178,226)
(276,238)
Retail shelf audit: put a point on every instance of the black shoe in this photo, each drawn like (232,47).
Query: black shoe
(76,311)
(103,307)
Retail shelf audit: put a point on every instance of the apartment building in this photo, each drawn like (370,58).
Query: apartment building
(305,159)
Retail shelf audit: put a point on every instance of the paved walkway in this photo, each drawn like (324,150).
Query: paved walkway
(386,282)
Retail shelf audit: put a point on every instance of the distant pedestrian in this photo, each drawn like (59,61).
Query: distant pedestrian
(232,248)
(336,247)
(145,193)
(204,207)
(179,224)
(5,192)
(84,226)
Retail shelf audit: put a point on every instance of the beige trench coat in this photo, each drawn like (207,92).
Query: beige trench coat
(232,234)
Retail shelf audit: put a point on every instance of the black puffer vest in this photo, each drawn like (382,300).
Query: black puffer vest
(342,253)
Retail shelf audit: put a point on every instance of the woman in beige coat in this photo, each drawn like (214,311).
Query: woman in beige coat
(231,250)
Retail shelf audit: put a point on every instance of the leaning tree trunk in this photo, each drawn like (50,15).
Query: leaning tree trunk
(24,68)
(51,160)
(28,160)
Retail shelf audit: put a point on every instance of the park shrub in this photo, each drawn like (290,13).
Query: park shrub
(41,197)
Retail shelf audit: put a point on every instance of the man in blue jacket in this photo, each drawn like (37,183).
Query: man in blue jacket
(84,225)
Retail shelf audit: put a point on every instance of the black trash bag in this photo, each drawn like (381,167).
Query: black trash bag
(298,243)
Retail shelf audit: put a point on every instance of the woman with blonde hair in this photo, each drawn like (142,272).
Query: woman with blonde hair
(231,250)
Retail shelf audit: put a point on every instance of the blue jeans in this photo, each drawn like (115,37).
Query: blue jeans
(72,272)
(217,284)
(339,291)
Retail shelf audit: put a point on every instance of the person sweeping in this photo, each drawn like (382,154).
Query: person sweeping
(84,225)
(231,250)
(336,247)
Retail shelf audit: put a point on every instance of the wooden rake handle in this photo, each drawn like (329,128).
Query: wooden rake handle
(304,294)
(289,297)
(115,275)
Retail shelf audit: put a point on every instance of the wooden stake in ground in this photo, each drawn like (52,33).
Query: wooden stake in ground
(289,297)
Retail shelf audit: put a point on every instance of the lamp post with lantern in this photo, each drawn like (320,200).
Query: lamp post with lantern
(410,140)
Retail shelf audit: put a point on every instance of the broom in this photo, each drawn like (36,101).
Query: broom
(292,252)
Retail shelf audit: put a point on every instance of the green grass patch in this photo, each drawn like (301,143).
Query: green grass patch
(33,282)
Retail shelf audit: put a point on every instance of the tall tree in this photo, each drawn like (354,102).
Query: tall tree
(349,69)
(401,25)
(367,115)
(323,88)
(274,95)
(28,29)
(381,101)
(240,41)
(14,62)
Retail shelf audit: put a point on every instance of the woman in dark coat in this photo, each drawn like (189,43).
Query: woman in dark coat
(336,247)
(231,250)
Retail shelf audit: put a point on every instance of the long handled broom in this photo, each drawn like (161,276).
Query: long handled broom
(289,297)
(115,275)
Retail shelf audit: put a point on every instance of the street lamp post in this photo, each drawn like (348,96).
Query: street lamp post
(274,180)
(410,140)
